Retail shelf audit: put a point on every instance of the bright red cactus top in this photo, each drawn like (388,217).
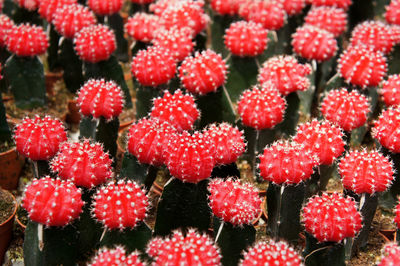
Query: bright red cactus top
(116,257)
(349,110)
(226,7)
(177,109)
(362,66)
(246,39)
(328,18)
(271,253)
(27,40)
(286,73)
(99,36)
(366,172)
(392,14)
(28,4)
(141,2)
(153,66)
(395,34)
(148,140)
(287,162)
(344,4)
(119,206)
(47,8)
(228,141)
(142,26)
(390,255)
(270,14)
(391,90)
(105,8)
(322,138)
(374,34)
(293,7)
(397,217)
(190,157)
(234,202)
(100,98)
(192,249)
(387,129)
(159,6)
(39,138)
(313,43)
(261,108)
(184,14)
(84,163)
(331,218)
(52,202)
(177,40)
(6,24)
(203,73)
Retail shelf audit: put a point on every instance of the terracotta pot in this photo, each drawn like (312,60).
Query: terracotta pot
(11,164)
(6,230)
(73,115)
(51,78)
(388,235)
(125,125)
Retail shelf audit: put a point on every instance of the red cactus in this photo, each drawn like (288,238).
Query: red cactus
(190,157)
(114,257)
(30,5)
(331,218)
(348,110)
(270,14)
(84,163)
(226,7)
(322,138)
(234,202)
(246,39)
(148,140)
(70,19)
(293,7)
(52,202)
(328,18)
(390,255)
(33,38)
(261,108)
(313,43)
(361,66)
(153,66)
(142,26)
(159,6)
(47,8)
(119,206)
(100,98)
(390,90)
(178,109)
(387,129)
(271,253)
(142,2)
(397,217)
(286,73)
(344,4)
(286,162)
(203,73)
(228,142)
(39,138)
(395,34)
(392,14)
(6,24)
(192,249)
(105,8)
(92,36)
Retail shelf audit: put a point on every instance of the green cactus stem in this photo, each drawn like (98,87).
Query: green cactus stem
(71,64)
(144,99)
(116,23)
(9,7)
(21,15)
(218,27)
(287,127)
(319,180)
(226,170)
(5,132)
(52,51)
(326,253)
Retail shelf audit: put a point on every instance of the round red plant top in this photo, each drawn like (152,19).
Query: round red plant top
(270,14)
(391,90)
(344,4)
(226,7)
(159,6)
(47,8)
(387,129)
(6,24)
(39,138)
(293,7)
(392,14)
(52,202)
(390,255)
(27,40)
(116,256)
(331,218)
(177,40)
(397,217)
(105,8)
(142,26)
(30,5)
(328,18)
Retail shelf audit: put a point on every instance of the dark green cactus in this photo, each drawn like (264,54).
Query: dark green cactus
(326,253)
(71,64)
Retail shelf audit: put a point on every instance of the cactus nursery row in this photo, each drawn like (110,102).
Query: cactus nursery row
(200,132)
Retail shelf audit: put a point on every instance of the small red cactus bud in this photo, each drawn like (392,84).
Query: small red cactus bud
(395,34)
(226,7)
(392,14)
(39,138)
(261,108)
(293,7)
(390,90)
(70,19)
(286,162)
(119,206)
(234,202)
(90,37)
(116,257)
(153,66)
(193,249)
(52,202)
(148,140)
(349,110)
(142,26)
(397,217)
(328,18)
(271,253)
(387,129)
(100,98)
(190,158)
(30,5)
(159,6)
(84,163)
(177,40)
(313,43)
(203,73)
(142,2)
(322,138)
(286,73)
(270,14)
(331,218)
(343,4)
(47,8)
(105,8)
(362,67)
(33,38)
(177,109)
(246,39)
(6,24)
(390,255)
(366,172)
